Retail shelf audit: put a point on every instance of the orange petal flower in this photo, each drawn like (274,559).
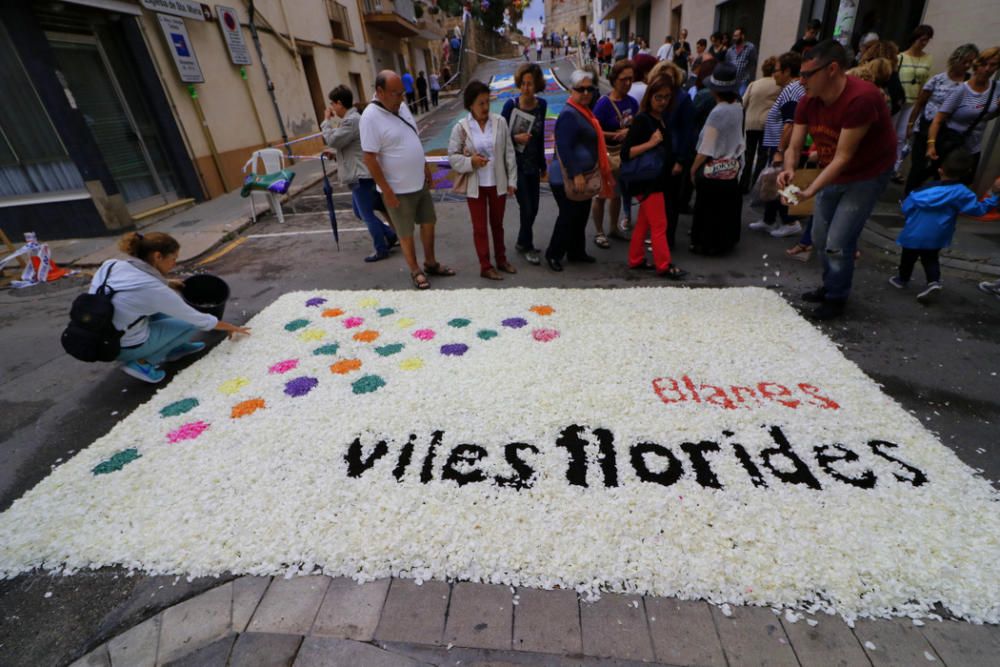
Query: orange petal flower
(346,366)
(248,407)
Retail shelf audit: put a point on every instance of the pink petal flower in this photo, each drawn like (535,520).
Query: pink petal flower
(187,432)
(352,322)
(424,334)
(544,335)
(283,366)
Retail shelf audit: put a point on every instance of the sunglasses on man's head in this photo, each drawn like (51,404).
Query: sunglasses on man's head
(586,89)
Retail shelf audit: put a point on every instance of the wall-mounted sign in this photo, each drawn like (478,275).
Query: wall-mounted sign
(186,8)
(176,34)
(232,33)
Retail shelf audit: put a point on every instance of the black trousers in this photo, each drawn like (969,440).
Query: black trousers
(410,99)
(569,232)
(434,97)
(929,259)
(673,198)
(528,196)
(756,156)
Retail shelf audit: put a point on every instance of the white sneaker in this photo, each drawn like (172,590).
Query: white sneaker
(787,230)
(990,287)
(929,291)
(761,226)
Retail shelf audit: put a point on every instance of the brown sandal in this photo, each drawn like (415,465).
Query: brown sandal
(419,280)
(438,269)
(490,274)
(507,267)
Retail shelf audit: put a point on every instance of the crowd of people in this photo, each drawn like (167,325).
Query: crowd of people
(674,124)
(685,123)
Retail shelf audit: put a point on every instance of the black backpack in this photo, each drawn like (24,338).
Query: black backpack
(91,335)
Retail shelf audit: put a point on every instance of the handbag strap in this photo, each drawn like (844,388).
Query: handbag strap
(982,114)
(396,115)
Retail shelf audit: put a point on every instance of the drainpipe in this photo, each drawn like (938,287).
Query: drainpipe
(267,77)
(291,35)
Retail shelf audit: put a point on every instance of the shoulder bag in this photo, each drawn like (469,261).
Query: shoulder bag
(645,168)
(949,139)
(460,185)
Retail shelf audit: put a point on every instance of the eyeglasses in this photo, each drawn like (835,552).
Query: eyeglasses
(661,98)
(807,74)
(586,89)
(625,78)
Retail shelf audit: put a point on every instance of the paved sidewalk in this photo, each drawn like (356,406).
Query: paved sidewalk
(316,621)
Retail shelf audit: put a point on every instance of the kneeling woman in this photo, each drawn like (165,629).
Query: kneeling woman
(647,133)
(157,324)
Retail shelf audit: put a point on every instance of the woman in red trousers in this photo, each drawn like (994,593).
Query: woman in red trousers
(480,146)
(649,132)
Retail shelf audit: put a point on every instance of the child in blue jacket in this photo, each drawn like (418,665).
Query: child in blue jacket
(931,214)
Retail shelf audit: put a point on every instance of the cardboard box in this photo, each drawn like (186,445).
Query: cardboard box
(803,179)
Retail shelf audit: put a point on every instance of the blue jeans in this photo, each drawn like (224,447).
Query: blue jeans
(363,202)
(165,333)
(840,214)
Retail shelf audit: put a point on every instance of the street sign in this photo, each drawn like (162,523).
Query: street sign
(184,8)
(176,34)
(232,33)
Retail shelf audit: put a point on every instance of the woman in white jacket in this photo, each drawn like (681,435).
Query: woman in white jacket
(156,322)
(481,147)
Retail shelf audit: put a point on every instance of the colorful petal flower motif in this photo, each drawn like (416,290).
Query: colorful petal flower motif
(544,335)
(310,335)
(345,366)
(454,349)
(486,334)
(295,325)
(315,301)
(352,322)
(332,312)
(411,364)
(327,349)
(369,302)
(189,431)
(117,461)
(389,350)
(367,384)
(424,334)
(542,310)
(514,322)
(179,407)
(300,386)
(384,312)
(366,336)
(230,387)
(405,322)
(283,366)
(248,407)
(459,323)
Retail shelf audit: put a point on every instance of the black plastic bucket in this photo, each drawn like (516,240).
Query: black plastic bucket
(206,293)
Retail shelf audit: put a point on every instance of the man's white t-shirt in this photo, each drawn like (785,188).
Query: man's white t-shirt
(394,139)
(666,52)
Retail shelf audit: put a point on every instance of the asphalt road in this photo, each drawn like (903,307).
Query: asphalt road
(939,361)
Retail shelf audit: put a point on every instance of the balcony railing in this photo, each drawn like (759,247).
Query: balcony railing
(402,8)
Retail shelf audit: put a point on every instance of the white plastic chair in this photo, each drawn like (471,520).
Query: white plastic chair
(273,160)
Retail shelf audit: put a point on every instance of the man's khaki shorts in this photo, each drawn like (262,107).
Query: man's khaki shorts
(414,208)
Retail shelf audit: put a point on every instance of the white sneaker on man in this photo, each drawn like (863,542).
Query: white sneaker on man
(761,226)
(786,230)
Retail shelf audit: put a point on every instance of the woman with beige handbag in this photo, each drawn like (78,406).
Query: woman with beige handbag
(580,172)
(614,112)
(481,152)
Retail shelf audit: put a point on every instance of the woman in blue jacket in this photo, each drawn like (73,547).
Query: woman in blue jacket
(580,149)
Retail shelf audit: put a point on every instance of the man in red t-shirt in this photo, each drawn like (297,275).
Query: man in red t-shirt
(853,133)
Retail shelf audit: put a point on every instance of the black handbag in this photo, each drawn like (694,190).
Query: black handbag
(949,139)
